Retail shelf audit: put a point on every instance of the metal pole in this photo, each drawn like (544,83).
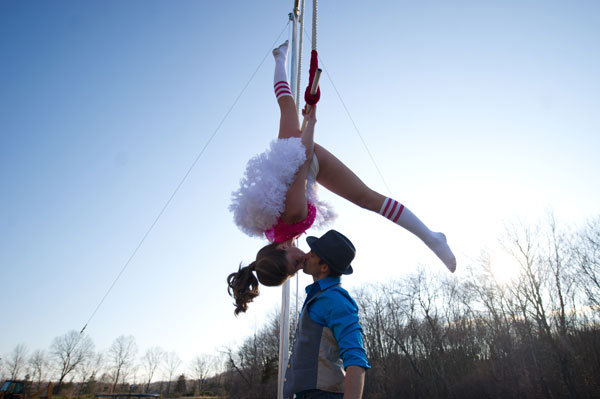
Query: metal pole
(284,321)
(294,61)
(284,333)
(300,30)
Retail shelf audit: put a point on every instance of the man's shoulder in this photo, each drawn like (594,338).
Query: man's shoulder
(337,294)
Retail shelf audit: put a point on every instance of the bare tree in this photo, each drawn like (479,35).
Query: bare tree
(121,356)
(220,365)
(89,369)
(132,374)
(254,365)
(532,297)
(586,252)
(16,361)
(546,296)
(200,367)
(68,351)
(38,362)
(172,362)
(496,319)
(561,294)
(151,361)
(2,370)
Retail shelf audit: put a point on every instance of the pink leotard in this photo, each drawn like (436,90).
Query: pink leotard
(282,232)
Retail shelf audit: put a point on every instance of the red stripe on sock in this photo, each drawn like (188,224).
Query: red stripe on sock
(283,93)
(282,88)
(391,212)
(281,83)
(399,213)
(387,204)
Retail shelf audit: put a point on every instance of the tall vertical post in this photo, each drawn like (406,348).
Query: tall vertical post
(294,85)
(284,321)
(284,333)
(298,63)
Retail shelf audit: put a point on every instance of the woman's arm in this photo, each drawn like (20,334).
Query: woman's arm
(295,200)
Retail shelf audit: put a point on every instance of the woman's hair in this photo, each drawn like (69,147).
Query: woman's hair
(271,269)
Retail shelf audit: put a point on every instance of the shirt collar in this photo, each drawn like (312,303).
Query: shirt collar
(324,283)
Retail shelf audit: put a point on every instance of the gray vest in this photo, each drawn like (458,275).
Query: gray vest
(315,359)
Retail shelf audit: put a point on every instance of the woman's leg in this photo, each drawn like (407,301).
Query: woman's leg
(289,124)
(339,179)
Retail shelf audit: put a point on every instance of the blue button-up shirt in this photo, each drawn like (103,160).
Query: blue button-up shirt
(336,310)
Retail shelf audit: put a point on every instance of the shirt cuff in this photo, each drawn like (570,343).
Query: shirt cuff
(355,357)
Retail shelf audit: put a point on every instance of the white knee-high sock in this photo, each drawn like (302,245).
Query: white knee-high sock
(280,81)
(402,216)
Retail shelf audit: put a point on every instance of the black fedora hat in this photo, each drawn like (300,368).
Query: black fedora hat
(335,249)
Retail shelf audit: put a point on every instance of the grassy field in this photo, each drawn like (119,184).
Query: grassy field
(92,396)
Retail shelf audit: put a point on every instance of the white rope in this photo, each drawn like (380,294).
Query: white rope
(364,143)
(314,26)
(181,182)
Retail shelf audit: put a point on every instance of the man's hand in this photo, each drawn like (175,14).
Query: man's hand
(354,382)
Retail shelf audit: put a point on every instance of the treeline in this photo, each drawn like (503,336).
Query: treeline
(475,335)
(536,335)
(76,368)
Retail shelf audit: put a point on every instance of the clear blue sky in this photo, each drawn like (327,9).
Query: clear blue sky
(478,113)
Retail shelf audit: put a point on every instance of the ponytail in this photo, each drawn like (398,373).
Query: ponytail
(271,270)
(244,286)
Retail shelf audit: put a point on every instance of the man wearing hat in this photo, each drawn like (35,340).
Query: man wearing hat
(328,358)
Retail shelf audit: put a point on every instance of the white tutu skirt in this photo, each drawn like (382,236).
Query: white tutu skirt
(260,200)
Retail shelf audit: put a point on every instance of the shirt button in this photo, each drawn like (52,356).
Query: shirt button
(289,366)
(285,380)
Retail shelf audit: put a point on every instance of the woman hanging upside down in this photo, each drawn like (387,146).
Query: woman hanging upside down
(277,198)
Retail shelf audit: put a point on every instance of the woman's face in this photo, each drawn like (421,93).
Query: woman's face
(295,257)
